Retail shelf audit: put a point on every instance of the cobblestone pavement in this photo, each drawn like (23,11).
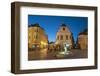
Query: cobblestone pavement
(44,54)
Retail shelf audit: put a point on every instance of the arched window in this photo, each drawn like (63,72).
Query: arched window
(66,37)
(35,36)
(57,37)
(61,37)
(63,29)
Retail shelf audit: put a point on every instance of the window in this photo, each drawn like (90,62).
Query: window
(35,36)
(57,37)
(66,37)
(63,29)
(61,37)
(37,30)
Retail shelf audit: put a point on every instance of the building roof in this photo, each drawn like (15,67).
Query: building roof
(64,25)
(36,25)
(84,32)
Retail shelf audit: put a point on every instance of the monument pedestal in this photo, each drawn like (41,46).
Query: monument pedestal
(63,54)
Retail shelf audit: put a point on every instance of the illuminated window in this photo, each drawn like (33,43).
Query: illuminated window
(36,36)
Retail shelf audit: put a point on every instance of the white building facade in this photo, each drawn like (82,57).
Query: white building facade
(64,35)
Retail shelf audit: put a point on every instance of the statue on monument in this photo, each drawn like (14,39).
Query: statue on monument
(65,51)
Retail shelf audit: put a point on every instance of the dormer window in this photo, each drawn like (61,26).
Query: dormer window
(63,29)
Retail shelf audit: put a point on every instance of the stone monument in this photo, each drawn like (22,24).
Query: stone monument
(65,52)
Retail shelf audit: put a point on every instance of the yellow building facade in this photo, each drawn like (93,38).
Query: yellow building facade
(83,40)
(37,37)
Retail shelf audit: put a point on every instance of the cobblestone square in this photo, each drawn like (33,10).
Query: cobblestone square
(44,54)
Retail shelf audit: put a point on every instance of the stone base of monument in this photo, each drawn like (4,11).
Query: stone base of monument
(63,54)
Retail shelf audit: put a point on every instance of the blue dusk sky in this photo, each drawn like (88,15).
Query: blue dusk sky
(51,24)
